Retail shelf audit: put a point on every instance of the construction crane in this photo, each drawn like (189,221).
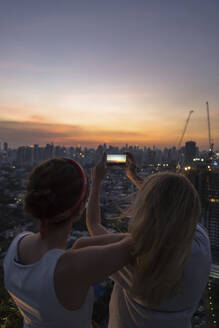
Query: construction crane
(211,145)
(185,127)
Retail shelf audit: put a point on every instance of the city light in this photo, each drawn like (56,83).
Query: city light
(147,166)
(198,159)
(214,200)
(84,81)
(211,308)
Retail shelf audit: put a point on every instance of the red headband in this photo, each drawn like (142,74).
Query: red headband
(65,215)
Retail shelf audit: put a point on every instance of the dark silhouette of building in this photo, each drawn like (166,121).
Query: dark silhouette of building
(5,146)
(212,211)
(21,155)
(49,151)
(36,154)
(190,151)
(206,180)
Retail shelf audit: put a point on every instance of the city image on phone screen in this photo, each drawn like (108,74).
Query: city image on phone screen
(116,159)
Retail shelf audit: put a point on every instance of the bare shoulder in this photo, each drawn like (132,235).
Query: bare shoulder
(27,252)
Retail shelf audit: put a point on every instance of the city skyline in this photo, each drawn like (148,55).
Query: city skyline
(108,147)
(28,133)
(116,72)
(91,145)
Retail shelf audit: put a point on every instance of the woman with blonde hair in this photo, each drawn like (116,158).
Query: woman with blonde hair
(52,286)
(162,286)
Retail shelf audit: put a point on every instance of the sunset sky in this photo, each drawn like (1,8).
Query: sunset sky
(113,71)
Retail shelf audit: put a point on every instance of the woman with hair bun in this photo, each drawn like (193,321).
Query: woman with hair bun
(162,285)
(51,285)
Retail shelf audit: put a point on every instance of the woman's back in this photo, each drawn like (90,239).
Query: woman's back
(52,286)
(32,288)
(125,311)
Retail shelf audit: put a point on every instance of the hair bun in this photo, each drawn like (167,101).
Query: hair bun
(45,193)
(41,192)
(47,196)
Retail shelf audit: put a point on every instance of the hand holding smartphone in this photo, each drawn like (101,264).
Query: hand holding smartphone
(116,160)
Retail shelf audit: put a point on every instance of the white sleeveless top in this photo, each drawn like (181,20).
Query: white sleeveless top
(32,288)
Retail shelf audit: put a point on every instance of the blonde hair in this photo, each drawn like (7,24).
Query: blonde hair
(163,222)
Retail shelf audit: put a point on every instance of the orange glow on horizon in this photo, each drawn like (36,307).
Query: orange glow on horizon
(94,128)
(28,132)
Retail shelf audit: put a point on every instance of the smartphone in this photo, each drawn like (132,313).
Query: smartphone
(116,159)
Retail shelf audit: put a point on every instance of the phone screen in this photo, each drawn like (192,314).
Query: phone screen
(116,159)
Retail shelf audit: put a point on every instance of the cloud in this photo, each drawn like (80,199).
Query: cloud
(28,132)
(33,67)
(38,118)
(13,111)
(21,65)
(115,95)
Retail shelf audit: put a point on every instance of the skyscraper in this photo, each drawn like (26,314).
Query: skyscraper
(36,154)
(212,212)
(206,181)
(21,155)
(190,151)
(5,146)
(49,151)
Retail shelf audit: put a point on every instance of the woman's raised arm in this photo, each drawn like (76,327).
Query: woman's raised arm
(131,171)
(88,265)
(93,216)
(99,240)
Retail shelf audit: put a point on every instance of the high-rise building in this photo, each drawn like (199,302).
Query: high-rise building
(49,151)
(28,155)
(36,154)
(151,156)
(21,155)
(212,212)
(190,151)
(5,146)
(206,181)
